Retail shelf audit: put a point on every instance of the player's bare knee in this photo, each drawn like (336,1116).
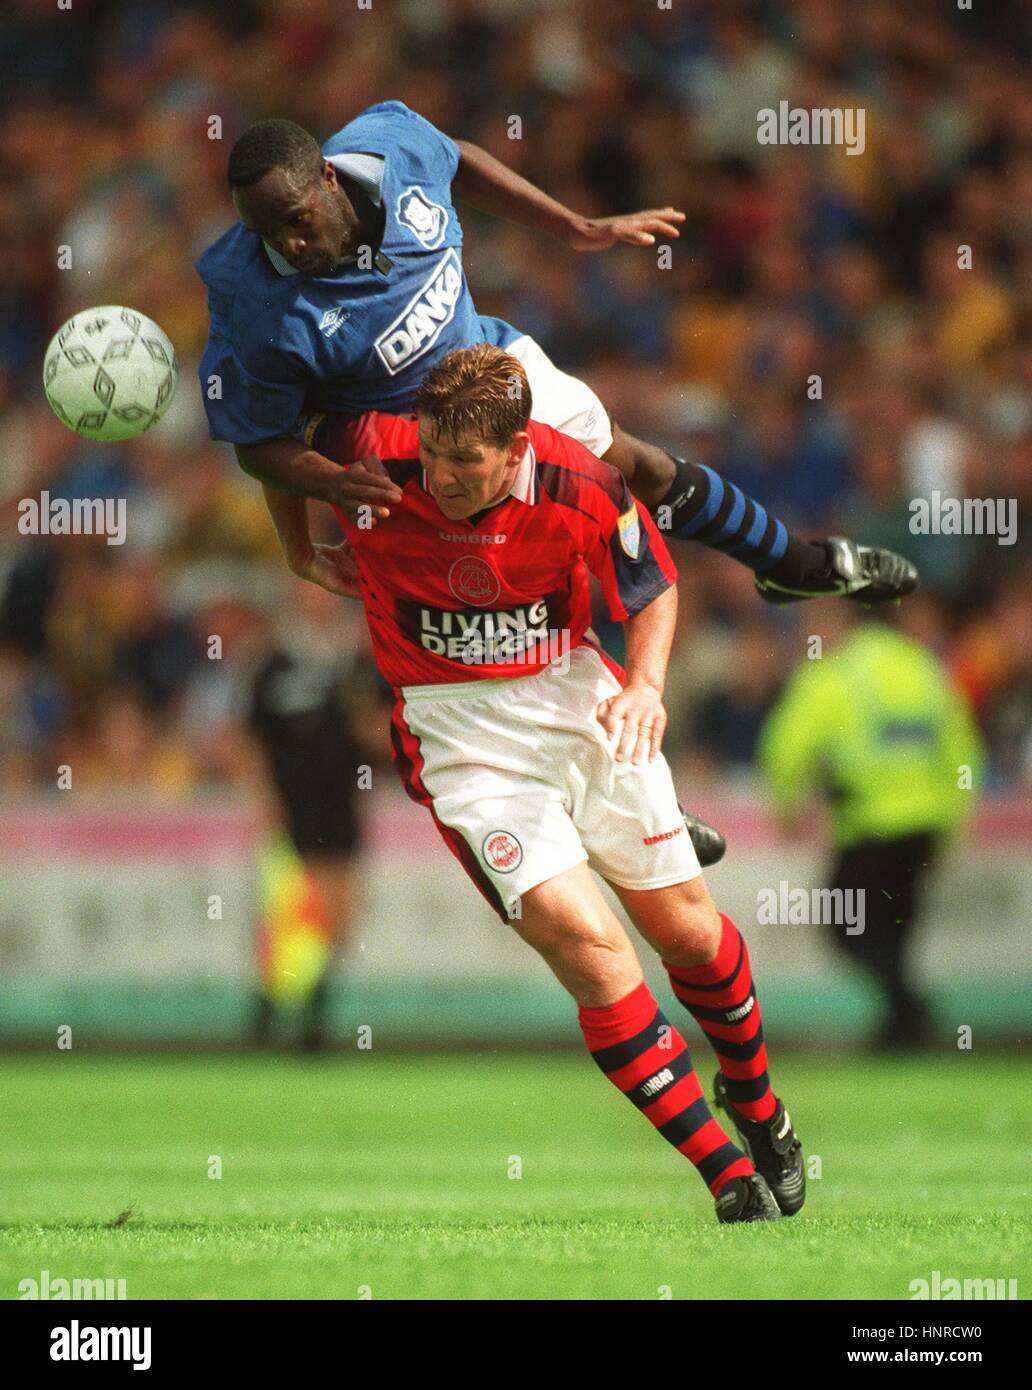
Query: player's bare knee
(702,921)
(600,960)
(681,922)
(590,948)
(595,966)
(706,932)
(691,938)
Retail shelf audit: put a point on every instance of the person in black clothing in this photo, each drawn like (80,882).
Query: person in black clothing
(308,699)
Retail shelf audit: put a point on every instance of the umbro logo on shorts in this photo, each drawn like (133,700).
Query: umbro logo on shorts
(502,851)
(666,835)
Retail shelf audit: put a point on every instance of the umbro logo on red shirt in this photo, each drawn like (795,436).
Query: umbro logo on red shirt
(474,539)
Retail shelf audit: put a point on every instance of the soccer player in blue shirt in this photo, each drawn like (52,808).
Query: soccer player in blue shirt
(342,285)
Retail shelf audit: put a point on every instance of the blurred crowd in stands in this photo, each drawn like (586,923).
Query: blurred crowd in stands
(795,263)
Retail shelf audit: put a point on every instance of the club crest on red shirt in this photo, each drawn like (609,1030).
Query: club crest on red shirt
(474,581)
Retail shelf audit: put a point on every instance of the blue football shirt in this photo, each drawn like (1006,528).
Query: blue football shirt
(282,343)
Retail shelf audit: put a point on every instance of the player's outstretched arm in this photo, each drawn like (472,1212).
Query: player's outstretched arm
(639,705)
(332,567)
(493,187)
(293,467)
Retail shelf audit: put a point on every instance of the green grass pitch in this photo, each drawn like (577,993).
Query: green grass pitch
(396,1175)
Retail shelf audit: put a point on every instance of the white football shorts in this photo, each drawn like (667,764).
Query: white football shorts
(522,781)
(561,400)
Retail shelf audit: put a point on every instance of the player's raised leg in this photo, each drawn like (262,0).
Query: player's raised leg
(569,923)
(695,503)
(707,960)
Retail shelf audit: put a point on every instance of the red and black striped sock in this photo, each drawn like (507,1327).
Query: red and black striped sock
(721,998)
(645,1057)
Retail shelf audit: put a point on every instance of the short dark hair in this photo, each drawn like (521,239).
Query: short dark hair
(274,145)
(480,390)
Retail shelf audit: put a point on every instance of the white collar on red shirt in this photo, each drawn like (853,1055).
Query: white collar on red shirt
(523,481)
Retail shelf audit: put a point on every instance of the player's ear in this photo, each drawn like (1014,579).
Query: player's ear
(518,446)
(329,174)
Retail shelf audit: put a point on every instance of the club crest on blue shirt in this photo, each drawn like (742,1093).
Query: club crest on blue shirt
(427,221)
(630,532)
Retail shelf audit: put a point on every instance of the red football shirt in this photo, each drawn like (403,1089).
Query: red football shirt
(504,592)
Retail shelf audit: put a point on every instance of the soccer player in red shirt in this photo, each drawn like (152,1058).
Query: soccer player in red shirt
(539,758)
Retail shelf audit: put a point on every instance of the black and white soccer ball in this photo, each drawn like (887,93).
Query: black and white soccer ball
(110,373)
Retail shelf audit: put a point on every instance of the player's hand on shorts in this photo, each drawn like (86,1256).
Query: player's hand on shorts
(637,713)
(637,228)
(364,491)
(333,567)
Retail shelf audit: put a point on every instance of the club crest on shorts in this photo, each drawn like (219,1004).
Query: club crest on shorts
(502,851)
(630,532)
(474,581)
(427,221)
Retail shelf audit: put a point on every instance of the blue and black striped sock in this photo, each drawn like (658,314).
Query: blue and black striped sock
(703,506)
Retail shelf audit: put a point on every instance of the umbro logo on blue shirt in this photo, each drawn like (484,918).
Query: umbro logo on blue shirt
(333,319)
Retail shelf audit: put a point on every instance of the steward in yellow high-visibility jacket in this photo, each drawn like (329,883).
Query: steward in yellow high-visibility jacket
(876,727)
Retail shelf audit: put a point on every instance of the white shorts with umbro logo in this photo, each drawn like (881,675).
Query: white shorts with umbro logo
(522,781)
